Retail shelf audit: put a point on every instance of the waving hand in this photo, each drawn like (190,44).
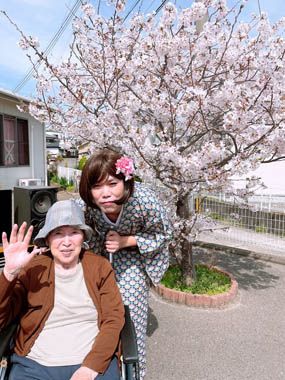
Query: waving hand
(16,251)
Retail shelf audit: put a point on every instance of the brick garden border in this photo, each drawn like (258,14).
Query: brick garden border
(200,300)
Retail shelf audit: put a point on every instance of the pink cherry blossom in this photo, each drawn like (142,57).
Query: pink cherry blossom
(193,107)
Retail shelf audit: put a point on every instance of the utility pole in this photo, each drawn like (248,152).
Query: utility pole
(200,23)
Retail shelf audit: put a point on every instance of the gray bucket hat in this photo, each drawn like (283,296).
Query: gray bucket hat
(63,213)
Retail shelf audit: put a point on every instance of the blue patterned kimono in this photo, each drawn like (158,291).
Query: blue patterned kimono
(143,217)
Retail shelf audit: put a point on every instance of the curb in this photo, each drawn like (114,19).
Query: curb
(200,300)
(243,252)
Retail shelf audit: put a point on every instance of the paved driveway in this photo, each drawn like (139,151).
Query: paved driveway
(245,341)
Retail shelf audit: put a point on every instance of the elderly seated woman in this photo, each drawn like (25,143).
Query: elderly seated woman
(67,300)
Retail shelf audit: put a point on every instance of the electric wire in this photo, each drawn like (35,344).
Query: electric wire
(59,33)
(50,46)
(130,11)
(156,11)
(150,5)
(160,7)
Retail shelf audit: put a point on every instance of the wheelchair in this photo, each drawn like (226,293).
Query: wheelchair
(129,358)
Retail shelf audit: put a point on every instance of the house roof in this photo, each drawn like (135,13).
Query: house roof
(12,96)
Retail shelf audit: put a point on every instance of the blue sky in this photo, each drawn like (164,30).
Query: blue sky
(43,18)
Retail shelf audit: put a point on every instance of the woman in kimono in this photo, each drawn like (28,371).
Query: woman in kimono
(129,222)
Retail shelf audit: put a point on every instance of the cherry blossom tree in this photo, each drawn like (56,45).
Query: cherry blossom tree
(192,106)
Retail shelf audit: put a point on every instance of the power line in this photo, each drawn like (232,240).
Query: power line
(160,7)
(150,5)
(51,45)
(59,33)
(132,9)
(156,11)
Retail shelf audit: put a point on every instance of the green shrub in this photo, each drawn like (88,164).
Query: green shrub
(55,178)
(63,182)
(52,171)
(261,229)
(209,281)
(82,163)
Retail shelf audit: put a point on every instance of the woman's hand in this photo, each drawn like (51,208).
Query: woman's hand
(114,241)
(16,251)
(84,373)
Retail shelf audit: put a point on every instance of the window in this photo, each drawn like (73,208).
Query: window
(14,141)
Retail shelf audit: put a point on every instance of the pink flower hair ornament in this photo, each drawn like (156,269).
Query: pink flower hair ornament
(125,166)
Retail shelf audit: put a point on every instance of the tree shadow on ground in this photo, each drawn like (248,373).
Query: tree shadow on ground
(152,322)
(249,272)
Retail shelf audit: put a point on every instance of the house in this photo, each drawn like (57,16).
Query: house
(61,145)
(84,150)
(53,144)
(22,143)
(22,150)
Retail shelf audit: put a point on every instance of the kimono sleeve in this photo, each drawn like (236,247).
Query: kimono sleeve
(157,230)
(154,238)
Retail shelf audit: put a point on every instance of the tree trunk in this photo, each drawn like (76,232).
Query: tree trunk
(187,265)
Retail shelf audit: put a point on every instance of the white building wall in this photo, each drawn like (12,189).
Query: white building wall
(9,176)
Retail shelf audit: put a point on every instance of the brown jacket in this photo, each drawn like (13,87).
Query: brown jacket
(31,296)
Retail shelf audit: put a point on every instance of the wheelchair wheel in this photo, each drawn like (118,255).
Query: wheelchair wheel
(129,372)
(5,367)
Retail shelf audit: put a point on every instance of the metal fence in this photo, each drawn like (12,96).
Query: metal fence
(257,223)
(258,202)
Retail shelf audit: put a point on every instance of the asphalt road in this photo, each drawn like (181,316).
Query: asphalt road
(244,341)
